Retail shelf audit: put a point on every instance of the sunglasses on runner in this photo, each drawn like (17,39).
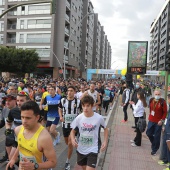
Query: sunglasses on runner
(23,93)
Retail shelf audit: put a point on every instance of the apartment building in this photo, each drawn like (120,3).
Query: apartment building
(62,39)
(96,43)
(159,39)
(102,48)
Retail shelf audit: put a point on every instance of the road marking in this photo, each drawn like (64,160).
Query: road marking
(108,116)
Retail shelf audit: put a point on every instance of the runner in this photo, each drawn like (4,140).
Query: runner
(41,104)
(101,92)
(88,125)
(13,120)
(69,109)
(82,90)
(29,150)
(53,101)
(95,95)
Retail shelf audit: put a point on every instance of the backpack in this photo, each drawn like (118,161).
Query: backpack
(141,124)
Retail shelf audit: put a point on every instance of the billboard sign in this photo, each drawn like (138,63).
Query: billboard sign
(137,57)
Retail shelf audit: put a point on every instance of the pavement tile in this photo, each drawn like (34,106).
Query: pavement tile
(123,155)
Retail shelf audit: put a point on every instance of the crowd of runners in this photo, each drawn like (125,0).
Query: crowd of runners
(32,108)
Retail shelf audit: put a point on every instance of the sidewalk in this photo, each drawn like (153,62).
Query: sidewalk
(121,155)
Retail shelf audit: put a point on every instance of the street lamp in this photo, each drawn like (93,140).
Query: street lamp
(71,33)
(83,64)
(55,57)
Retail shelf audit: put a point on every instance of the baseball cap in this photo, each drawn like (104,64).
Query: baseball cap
(10,97)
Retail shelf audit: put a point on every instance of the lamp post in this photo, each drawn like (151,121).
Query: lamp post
(55,56)
(71,33)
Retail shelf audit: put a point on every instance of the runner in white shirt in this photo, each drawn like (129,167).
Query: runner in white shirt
(82,90)
(89,144)
(95,95)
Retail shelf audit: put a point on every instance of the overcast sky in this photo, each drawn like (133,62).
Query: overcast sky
(126,20)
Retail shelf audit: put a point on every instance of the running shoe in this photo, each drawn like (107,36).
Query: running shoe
(57,139)
(67,166)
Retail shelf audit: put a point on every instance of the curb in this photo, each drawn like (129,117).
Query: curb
(102,155)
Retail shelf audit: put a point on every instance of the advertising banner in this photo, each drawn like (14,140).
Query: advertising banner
(137,57)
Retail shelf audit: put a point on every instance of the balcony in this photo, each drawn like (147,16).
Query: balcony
(66,44)
(12,13)
(68,4)
(66,59)
(67,18)
(38,40)
(11,26)
(11,40)
(67,31)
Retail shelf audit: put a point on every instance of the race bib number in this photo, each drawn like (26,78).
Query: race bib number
(86,140)
(32,159)
(51,119)
(69,118)
(152,113)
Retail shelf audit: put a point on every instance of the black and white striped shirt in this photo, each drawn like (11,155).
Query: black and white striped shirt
(70,110)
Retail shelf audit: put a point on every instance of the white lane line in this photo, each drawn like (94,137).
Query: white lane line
(108,116)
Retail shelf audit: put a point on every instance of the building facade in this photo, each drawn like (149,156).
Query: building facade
(72,37)
(159,39)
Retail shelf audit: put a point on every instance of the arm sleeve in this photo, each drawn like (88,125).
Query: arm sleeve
(2,123)
(127,96)
(60,104)
(45,101)
(74,124)
(102,122)
(10,118)
(138,106)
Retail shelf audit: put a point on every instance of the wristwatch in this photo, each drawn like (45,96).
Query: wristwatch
(36,166)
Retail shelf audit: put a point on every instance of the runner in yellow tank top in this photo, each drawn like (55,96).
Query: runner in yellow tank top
(28,147)
(34,141)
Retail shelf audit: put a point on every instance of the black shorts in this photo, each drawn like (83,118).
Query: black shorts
(45,115)
(111,99)
(66,132)
(87,160)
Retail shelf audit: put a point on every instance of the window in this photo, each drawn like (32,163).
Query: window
(22,24)
(2,26)
(2,39)
(38,38)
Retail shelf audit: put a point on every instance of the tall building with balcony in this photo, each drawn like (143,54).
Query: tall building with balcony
(96,43)
(87,37)
(64,38)
(159,38)
(102,49)
(29,27)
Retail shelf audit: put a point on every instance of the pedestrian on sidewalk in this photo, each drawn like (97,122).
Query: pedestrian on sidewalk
(88,144)
(134,97)
(125,101)
(138,112)
(158,112)
(166,151)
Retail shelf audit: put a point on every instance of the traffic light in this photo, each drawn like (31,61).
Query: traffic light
(53,6)
(167,61)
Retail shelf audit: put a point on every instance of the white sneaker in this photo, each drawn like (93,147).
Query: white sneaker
(57,139)
(133,144)
(132,141)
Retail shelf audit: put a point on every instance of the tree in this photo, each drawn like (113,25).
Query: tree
(18,60)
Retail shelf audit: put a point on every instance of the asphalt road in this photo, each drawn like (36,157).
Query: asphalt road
(61,149)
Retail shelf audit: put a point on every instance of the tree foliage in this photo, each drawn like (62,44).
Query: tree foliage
(18,60)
